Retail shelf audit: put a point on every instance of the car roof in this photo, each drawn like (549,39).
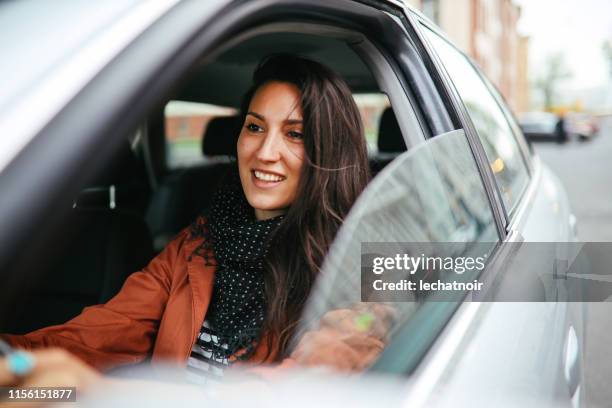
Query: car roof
(51,50)
(38,36)
(224,80)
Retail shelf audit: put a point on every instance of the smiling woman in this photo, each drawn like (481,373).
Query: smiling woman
(232,285)
(302,156)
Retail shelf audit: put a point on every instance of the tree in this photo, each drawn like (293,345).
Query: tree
(555,72)
(607,50)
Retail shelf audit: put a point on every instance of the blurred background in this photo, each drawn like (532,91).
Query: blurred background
(552,61)
(553,55)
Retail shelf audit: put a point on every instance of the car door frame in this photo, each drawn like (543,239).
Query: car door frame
(460,110)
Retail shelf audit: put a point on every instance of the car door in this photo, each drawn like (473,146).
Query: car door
(527,350)
(537,346)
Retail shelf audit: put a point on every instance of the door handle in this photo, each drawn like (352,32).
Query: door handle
(571,363)
(573,225)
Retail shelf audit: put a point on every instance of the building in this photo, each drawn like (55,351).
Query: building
(486,30)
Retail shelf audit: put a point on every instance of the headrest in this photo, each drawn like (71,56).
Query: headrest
(220,136)
(119,184)
(390,139)
(120,169)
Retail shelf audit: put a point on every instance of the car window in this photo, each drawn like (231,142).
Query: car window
(493,129)
(185,124)
(371,107)
(429,200)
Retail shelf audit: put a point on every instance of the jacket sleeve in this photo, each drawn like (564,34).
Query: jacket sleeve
(121,331)
(348,340)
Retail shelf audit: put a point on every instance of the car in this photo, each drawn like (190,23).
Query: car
(582,125)
(543,126)
(118,121)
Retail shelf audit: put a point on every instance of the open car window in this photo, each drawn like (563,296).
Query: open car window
(371,107)
(185,125)
(430,201)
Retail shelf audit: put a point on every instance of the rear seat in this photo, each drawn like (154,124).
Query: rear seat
(390,142)
(183,194)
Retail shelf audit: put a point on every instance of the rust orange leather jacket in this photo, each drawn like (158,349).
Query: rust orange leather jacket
(158,312)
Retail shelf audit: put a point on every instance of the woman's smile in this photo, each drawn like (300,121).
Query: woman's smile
(266,179)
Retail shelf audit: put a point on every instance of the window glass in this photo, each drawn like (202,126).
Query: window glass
(185,123)
(493,129)
(428,198)
(371,107)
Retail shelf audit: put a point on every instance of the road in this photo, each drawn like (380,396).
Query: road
(585,168)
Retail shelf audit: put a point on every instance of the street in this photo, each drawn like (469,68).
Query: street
(585,168)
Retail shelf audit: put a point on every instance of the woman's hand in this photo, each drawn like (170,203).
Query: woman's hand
(347,339)
(53,367)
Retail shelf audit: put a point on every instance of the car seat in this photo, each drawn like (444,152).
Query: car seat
(104,239)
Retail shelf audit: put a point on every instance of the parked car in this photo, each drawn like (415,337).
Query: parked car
(543,126)
(97,173)
(582,125)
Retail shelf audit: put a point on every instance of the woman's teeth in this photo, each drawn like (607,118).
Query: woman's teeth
(267,176)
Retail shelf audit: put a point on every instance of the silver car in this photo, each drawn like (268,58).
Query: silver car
(106,116)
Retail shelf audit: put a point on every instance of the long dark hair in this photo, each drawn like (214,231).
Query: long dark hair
(334,173)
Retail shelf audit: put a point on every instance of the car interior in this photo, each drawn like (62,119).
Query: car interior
(166,171)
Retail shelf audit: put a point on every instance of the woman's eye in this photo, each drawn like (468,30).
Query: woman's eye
(295,135)
(253,127)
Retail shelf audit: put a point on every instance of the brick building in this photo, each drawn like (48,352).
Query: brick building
(487,31)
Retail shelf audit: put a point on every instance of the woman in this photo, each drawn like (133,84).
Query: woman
(231,286)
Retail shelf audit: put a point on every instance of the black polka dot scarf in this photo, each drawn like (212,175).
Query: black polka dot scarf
(240,243)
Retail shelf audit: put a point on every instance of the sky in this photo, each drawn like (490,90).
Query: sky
(576,28)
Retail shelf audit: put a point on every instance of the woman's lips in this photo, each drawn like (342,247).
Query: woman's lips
(264,179)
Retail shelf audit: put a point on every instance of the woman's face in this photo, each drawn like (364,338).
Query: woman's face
(271,149)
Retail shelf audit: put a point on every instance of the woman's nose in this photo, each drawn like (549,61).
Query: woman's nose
(269,150)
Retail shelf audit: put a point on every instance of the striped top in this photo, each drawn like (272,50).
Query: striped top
(202,366)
